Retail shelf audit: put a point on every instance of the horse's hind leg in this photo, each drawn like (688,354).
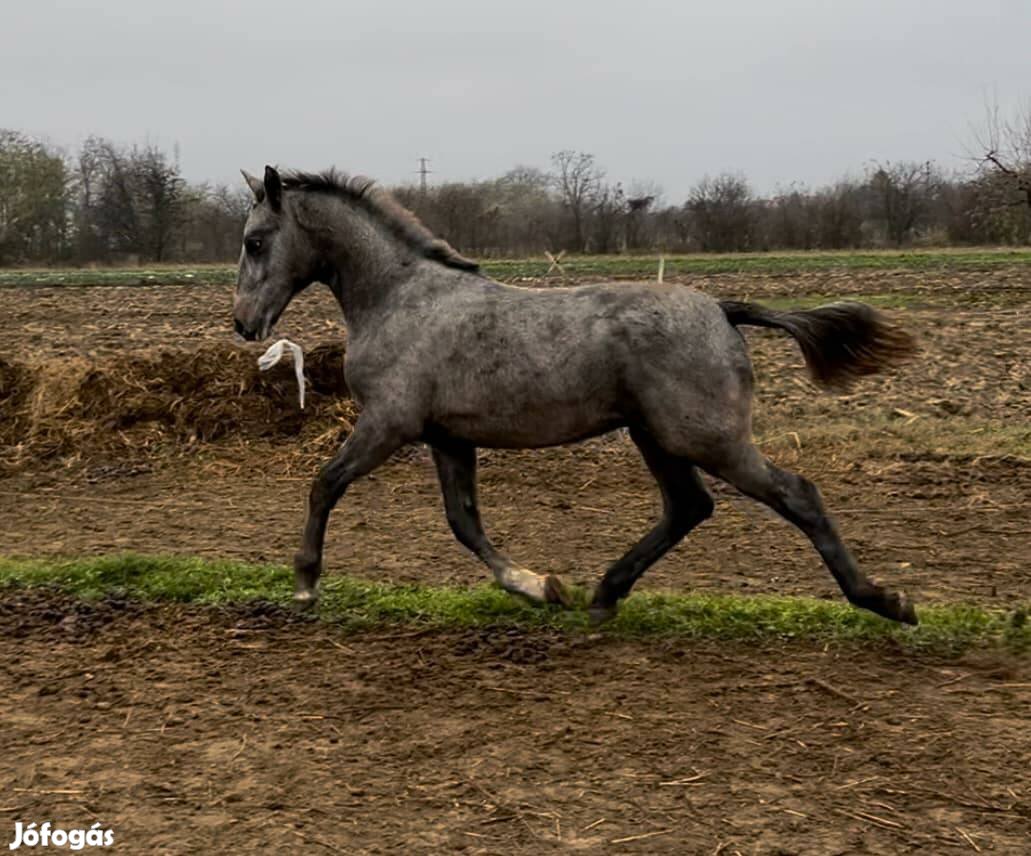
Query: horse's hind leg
(686,503)
(456,467)
(798,500)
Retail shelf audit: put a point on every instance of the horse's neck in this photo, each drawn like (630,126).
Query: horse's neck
(366,264)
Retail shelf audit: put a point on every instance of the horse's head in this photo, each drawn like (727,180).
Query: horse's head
(276,262)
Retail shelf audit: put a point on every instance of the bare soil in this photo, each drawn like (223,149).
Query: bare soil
(190,731)
(48,321)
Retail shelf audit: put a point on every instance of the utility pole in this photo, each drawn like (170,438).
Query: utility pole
(423,172)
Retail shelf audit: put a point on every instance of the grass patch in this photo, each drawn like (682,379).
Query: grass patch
(158,275)
(360,605)
(639,266)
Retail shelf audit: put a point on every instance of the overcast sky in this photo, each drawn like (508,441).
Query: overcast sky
(782,90)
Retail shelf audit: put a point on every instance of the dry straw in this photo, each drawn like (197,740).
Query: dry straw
(77,407)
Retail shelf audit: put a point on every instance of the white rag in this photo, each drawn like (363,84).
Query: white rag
(275,353)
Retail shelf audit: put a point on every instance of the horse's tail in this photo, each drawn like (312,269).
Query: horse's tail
(840,342)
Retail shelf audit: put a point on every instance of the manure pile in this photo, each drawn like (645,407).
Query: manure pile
(79,407)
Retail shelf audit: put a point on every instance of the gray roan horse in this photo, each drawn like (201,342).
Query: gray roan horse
(439,353)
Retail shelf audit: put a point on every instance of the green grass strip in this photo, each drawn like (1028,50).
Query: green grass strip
(642,266)
(763,263)
(358,605)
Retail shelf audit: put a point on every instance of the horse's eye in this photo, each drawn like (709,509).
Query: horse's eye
(253,246)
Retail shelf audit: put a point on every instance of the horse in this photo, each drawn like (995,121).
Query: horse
(439,353)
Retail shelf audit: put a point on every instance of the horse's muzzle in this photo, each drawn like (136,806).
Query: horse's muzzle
(247,333)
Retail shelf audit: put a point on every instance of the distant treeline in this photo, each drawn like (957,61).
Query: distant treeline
(111,203)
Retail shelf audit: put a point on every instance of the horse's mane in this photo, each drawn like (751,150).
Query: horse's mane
(385,208)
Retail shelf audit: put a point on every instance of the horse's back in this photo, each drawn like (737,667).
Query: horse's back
(684,372)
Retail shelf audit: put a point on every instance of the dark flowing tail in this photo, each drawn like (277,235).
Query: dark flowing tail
(840,342)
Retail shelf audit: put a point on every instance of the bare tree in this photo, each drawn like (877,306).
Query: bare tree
(115,215)
(610,211)
(1004,151)
(531,212)
(790,219)
(642,199)
(161,193)
(903,194)
(1002,176)
(578,180)
(234,203)
(212,222)
(110,201)
(141,200)
(722,213)
(88,176)
(839,215)
(530,178)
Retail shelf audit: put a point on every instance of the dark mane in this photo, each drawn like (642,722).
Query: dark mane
(385,208)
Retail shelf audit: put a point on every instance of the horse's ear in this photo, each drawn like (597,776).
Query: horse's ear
(254,183)
(273,188)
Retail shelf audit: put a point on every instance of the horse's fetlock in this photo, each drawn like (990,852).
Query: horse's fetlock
(307,570)
(868,594)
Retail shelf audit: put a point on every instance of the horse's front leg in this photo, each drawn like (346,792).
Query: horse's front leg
(456,467)
(371,442)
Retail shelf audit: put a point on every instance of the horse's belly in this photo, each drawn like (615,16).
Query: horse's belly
(507,425)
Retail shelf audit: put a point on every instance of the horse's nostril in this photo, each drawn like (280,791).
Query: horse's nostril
(239,328)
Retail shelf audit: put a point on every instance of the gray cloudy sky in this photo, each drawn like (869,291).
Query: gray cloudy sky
(783,91)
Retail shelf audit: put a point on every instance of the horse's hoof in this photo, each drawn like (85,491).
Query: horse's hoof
(536,588)
(600,614)
(556,591)
(895,606)
(305,599)
(906,611)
